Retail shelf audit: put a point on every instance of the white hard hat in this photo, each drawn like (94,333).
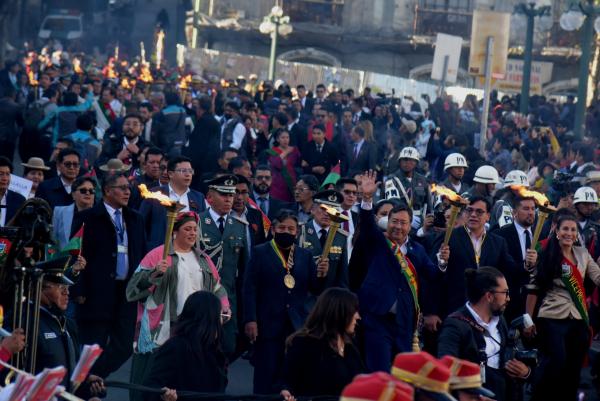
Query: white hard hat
(585,195)
(455,160)
(486,175)
(516,177)
(409,153)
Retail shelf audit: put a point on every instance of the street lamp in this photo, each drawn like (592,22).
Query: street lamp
(584,14)
(530,10)
(275,24)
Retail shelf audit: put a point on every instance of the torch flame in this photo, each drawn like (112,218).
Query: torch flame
(32,80)
(125,83)
(185,82)
(157,195)
(539,198)
(447,192)
(77,66)
(145,75)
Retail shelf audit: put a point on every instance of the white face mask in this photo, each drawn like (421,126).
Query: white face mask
(383,223)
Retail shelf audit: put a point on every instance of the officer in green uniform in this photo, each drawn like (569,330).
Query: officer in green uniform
(223,237)
(313,235)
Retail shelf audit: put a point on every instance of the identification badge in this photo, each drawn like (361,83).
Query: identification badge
(482,371)
(566,270)
(121,249)
(49,336)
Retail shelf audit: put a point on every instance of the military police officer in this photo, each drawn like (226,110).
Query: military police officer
(585,202)
(313,236)
(223,237)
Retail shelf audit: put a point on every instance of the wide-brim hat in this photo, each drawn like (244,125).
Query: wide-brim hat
(115,165)
(592,176)
(36,163)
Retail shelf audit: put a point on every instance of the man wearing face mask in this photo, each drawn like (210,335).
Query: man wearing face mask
(277,283)
(477,332)
(126,146)
(394,280)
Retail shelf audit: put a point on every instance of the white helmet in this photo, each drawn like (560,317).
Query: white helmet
(455,160)
(486,175)
(409,153)
(516,177)
(585,195)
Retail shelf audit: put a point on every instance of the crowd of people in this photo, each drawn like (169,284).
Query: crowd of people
(309,238)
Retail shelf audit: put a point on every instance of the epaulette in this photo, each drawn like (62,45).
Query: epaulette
(240,220)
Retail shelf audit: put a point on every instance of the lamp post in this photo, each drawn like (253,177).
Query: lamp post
(275,24)
(530,10)
(583,15)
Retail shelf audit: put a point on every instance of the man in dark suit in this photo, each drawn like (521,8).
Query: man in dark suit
(306,102)
(275,296)
(10,201)
(360,154)
(518,237)
(126,146)
(113,244)
(11,118)
(348,187)
(57,191)
(178,189)
(260,192)
(319,156)
(204,143)
(477,332)
(470,246)
(394,279)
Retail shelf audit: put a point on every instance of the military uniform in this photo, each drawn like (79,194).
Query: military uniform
(588,237)
(416,191)
(229,253)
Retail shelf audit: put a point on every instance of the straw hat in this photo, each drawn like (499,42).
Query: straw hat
(115,165)
(36,163)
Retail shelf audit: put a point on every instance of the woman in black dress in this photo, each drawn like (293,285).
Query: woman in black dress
(192,359)
(321,358)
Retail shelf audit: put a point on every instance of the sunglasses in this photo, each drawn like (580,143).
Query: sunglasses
(84,191)
(71,164)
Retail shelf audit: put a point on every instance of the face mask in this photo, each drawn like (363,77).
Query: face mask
(284,240)
(383,223)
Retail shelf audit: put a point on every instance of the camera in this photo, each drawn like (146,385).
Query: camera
(563,184)
(439,220)
(514,347)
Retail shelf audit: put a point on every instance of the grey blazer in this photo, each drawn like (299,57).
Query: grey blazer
(61,224)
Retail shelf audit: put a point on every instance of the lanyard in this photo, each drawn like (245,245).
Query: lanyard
(476,249)
(290,262)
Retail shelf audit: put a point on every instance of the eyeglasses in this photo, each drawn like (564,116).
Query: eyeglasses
(122,187)
(84,191)
(478,212)
(506,293)
(184,171)
(71,164)
(262,178)
(301,189)
(349,192)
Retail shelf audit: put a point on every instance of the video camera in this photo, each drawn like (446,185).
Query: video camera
(563,184)
(514,347)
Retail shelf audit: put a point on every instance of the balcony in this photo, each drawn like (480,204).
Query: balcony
(327,12)
(428,22)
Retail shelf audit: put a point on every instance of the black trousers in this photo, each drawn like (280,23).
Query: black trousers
(268,360)
(563,344)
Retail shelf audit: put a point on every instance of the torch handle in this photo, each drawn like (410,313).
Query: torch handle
(329,241)
(171,215)
(450,225)
(542,216)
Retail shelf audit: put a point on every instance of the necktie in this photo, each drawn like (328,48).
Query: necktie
(121,256)
(355,151)
(319,148)
(221,224)
(346,224)
(527,240)
(322,237)
(262,204)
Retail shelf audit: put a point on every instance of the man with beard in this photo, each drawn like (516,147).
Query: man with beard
(585,201)
(125,147)
(399,281)
(518,237)
(455,166)
(260,192)
(477,332)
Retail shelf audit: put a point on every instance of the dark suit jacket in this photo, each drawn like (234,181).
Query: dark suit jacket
(366,160)
(520,277)
(328,158)
(113,144)
(274,206)
(376,276)
(204,147)
(14,201)
(268,301)
(257,228)
(53,192)
(463,340)
(494,252)
(155,215)
(99,246)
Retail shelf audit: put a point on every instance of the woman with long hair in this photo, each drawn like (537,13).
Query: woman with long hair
(283,159)
(562,322)
(321,358)
(192,359)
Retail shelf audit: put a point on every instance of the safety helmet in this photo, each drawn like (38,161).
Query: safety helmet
(585,195)
(455,160)
(486,175)
(409,153)
(516,177)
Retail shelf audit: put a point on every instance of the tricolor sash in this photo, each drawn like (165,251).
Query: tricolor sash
(571,278)
(409,272)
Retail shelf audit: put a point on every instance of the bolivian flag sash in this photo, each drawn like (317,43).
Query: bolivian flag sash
(409,272)
(571,277)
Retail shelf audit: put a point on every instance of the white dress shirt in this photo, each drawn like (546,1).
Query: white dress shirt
(492,338)
(3,210)
(521,232)
(182,199)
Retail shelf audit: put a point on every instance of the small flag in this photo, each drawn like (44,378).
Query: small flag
(72,248)
(332,177)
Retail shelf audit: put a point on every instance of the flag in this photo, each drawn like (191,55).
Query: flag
(332,177)
(72,248)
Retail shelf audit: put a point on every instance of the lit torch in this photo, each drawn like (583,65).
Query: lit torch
(172,209)
(33,82)
(184,84)
(77,66)
(456,204)
(146,77)
(337,218)
(544,209)
(160,41)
